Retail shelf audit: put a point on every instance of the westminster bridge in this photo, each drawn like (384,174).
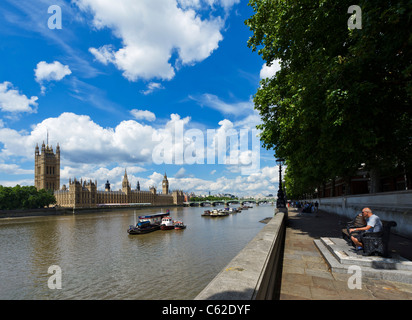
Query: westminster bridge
(227,202)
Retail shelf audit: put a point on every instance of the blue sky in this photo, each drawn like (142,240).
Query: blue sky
(113,84)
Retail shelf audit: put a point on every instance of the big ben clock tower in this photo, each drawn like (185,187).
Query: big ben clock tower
(165,185)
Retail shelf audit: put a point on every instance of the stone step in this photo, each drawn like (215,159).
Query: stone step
(346,254)
(340,260)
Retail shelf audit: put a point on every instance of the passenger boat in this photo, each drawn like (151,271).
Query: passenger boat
(219,213)
(179,225)
(206,213)
(167,223)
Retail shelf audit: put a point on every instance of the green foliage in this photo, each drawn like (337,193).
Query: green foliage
(342,96)
(19,197)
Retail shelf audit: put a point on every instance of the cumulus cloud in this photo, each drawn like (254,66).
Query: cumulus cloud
(54,71)
(143,115)
(84,141)
(90,151)
(263,182)
(14,102)
(152,32)
(269,72)
(102,174)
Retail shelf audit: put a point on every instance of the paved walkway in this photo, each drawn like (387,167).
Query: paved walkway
(306,275)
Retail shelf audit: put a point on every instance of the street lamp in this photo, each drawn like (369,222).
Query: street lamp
(281,202)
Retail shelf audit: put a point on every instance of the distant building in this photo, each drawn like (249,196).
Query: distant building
(84,194)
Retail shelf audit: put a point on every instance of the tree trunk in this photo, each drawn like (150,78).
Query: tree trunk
(375,185)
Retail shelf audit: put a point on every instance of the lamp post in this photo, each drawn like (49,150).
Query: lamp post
(281,202)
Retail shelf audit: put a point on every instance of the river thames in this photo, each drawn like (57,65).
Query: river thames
(100,260)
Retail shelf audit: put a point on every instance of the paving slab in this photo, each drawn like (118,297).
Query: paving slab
(347,254)
(309,275)
(340,258)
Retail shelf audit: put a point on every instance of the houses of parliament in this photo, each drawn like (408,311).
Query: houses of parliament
(84,194)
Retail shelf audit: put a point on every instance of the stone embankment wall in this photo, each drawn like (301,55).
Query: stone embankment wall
(396,206)
(255,273)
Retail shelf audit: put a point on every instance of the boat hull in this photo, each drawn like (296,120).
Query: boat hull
(134,231)
(162,227)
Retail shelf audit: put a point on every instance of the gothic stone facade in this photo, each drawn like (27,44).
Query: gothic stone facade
(47,168)
(84,194)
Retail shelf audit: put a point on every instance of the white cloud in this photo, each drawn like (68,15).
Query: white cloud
(104,54)
(90,151)
(101,174)
(12,183)
(250,121)
(50,72)
(263,182)
(212,101)
(197,4)
(152,32)
(269,72)
(14,169)
(143,115)
(152,86)
(181,173)
(84,141)
(12,101)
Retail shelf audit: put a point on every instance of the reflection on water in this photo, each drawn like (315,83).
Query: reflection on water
(99,260)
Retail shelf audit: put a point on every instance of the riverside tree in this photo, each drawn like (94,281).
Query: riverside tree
(24,197)
(343,96)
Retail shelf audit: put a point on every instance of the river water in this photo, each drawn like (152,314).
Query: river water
(99,260)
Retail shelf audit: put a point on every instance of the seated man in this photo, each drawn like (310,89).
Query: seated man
(374,224)
(358,222)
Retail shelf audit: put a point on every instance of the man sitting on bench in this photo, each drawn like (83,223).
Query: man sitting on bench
(374,224)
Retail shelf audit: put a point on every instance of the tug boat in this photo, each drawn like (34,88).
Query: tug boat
(179,225)
(167,223)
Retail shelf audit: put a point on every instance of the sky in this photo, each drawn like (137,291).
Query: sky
(153,87)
